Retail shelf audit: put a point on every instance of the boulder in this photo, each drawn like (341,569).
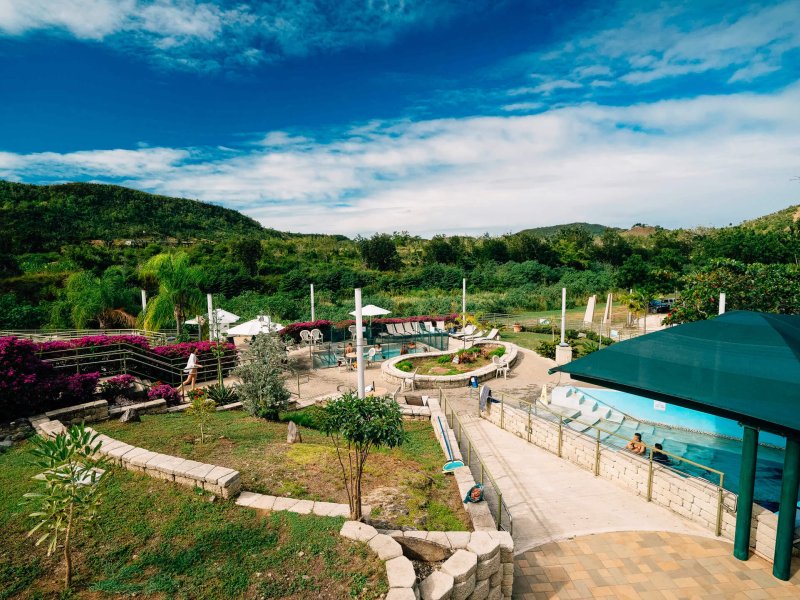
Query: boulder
(293,434)
(130,416)
(420,549)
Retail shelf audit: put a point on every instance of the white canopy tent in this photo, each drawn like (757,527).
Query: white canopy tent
(261,324)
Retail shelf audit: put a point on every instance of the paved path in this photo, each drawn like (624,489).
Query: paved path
(552,499)
(645,566)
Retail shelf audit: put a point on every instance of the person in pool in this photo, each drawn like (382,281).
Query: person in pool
(659,456)
(636,445)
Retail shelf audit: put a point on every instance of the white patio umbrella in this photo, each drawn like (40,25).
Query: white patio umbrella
(370,310)
(222,318)
(261,324)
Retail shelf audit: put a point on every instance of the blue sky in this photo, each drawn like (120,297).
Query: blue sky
(385,115)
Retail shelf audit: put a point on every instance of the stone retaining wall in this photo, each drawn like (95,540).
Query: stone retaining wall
(89,413)
(692,498)
(481,564)
(393,375)
(143,408)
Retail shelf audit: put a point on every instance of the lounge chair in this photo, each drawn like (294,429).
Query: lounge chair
(440,326)
(492,335)
(468,330)
(501,366)
(429,328)
(316,336)
(305,336)
(408,328)
(475,336)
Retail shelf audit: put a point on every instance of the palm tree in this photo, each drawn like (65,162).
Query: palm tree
(178,290)
(102,299)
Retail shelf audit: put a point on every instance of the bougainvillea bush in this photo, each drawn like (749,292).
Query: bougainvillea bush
(29,386)
(167,392)
(118,387)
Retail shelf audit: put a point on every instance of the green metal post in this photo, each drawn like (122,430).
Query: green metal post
(786,516)
(747,482)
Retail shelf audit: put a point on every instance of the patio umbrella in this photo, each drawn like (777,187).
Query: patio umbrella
(370,310)
(221,317)
(261,324)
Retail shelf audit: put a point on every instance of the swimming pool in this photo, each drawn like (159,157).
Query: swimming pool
(709,441)
(326,357)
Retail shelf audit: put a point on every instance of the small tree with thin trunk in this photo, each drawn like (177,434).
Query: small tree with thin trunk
(356,427)
(72,492)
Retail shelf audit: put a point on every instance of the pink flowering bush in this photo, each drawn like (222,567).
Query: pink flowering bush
(78,388)
(119,386)
(25,380)
(201,349)
(167,392)
(293,330)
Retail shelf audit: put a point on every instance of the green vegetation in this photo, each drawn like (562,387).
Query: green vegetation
(408,478)
(251,270)
(357,427)
(157,539)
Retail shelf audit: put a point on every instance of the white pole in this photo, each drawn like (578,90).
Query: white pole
(722,303)
(464,308)
(359,344)
(144,301)
(210,316)
(312,302)
(563,314)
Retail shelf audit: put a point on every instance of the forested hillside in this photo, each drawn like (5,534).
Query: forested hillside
(40,218)
(75,253)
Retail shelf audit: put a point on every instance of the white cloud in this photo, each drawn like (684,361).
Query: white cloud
(206,35)
(677,163)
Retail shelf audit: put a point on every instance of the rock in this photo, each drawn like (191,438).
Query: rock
(461,566)
(5,445)
(438,586)
(293,434)
(400,572)
(420,549)
(131,415)
(385,547)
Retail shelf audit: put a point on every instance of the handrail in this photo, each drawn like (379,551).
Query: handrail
(598,443)
(484,471)
(50,334)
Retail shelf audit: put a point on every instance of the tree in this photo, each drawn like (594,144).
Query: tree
(439,250)
(634,271)
(72,491)
(249,252)
(357,426)
(105,300)
(200,410)
(379,252)
(178,290)
(262,388)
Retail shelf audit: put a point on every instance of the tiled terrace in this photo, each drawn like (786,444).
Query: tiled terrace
(645,566)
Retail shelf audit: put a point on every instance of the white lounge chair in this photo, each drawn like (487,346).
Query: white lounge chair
(429,328)
(501,366)
(440,326)
(468,330)
(409,328)
(492,335)
(475,336)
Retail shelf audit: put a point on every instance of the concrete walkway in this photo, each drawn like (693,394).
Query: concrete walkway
(551,499)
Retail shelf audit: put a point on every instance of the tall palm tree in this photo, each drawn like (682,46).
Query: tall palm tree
(179,291)
(104,299)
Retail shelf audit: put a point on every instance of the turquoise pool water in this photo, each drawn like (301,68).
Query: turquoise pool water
(389,350)
(704,444)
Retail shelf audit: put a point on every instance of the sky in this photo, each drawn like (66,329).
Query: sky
(363,116)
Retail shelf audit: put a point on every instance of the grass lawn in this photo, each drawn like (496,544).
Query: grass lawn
(404,485)
(527,339)
(159,540)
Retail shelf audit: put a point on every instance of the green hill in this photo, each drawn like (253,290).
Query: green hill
(552,230)
(37,218)
(783,220)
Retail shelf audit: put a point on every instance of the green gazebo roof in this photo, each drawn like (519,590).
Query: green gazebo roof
(741,365)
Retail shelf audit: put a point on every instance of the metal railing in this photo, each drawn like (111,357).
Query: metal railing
(599,437)
(472,458)
(48,335)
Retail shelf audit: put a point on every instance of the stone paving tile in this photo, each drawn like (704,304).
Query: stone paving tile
(645,566)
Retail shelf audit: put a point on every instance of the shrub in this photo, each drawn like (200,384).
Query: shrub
(25,380)
(222,394)
(444,359)
(262,388)
(546,349)
(78,388)
(499,351)
(165,392)
(405,365)
(119,386)
(310,417)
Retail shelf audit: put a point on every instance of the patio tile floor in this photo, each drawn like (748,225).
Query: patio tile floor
(645,566)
